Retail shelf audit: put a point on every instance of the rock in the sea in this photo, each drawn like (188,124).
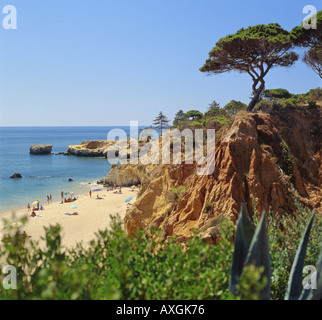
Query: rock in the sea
(70,179)
(16,176)
(41,149)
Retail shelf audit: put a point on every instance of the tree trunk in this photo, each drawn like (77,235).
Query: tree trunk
(257,92)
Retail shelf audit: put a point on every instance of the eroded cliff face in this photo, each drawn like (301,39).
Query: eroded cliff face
(251,166)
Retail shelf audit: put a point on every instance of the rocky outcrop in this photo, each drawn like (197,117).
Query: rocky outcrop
(129,175)
(251,166)
(16,176)
(90,148)
(100,148)
(41,149)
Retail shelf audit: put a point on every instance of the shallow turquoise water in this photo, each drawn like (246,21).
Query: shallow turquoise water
(46,174)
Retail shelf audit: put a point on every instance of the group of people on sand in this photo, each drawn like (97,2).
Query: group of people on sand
(119,191)
(49,199)
(66,200)
(33,213)
(38,207)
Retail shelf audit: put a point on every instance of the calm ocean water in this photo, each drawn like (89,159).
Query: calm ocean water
(46,174)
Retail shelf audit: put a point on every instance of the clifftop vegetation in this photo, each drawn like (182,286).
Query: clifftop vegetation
(270,100)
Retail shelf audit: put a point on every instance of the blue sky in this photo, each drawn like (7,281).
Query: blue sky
(104,62)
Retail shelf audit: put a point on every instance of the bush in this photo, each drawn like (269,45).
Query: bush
(220,120)
(285,234)
(288,159)
(273,94)
(118,267)
(267,106)
(276,256)
(151,266)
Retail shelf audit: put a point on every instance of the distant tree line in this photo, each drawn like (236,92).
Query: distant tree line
(270,98)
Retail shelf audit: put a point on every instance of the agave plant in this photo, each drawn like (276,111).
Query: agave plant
(251,248)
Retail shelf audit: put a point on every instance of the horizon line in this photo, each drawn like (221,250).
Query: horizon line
(54,126)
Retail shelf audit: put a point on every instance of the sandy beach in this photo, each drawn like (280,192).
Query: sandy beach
(93,215)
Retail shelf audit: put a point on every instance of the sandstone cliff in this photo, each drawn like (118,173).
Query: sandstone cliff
(258,160)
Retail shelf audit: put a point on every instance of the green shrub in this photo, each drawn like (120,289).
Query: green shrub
(208,205)
(153,267)
(196,124)
(288,159)
(289,103)
(285,234)
(119,267)
(273,94)
(275,256)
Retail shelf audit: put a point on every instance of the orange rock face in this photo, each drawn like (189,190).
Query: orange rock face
(250,166)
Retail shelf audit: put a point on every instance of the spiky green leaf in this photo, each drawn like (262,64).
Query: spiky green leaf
(244,234)
(294,288)
(259,256)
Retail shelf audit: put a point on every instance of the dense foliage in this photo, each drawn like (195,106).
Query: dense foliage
(118,267)
(215,116)
(150,266)
(275,254)
(282,98)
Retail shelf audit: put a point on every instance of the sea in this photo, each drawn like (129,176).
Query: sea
(43,175)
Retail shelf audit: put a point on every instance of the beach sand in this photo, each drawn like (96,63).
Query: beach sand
(93,215)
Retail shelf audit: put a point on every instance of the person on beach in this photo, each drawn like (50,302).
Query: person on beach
(50,198)
(90,193)
(47,198)
(33,213)
(62,194)
(28,207)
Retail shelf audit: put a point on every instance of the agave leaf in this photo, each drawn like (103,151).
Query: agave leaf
(294,288)
(243,237)
(259,256)
(317,294)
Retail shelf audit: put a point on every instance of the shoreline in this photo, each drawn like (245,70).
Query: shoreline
(80,188)
(93,215)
